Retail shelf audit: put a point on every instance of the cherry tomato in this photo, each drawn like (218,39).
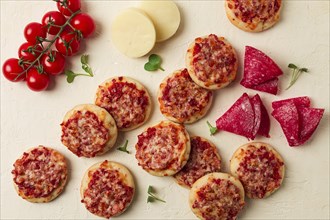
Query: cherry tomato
(53,62)
(37,81)
(67,7)
(33,31)
(84,23)
(29,52)
(53,17)
(12,70)
(68,43)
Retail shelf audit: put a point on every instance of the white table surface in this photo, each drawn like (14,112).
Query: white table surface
(30,119)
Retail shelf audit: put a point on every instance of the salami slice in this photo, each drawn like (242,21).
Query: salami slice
(260,71)
(256,103)
(309,120)
(288,117)
(265,122)
(303,101)
(239,118)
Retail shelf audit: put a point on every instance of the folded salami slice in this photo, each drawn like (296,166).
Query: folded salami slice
(288,117)
(239,119)
(246,117)
(260,71)
(309,119)
(302,101)
(297,119)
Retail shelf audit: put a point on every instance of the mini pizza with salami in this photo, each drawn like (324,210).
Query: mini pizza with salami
(211,62)
(259,167)
(107,189)
(163,149)
(40,174)
(181,100)
(88,130)
(127,100)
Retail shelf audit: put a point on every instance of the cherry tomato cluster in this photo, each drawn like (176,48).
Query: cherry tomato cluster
(48,44)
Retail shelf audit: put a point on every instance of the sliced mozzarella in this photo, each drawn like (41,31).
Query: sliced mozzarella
(165,15)
(133,33)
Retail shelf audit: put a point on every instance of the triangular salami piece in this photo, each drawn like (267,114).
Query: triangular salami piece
(239,118)
(271,86)
(309,119)
(303,101)
(288,117)
(260,69)
(256,104)
(265,122)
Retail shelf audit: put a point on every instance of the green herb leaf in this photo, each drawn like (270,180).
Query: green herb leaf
(213,130)
(69,76)
(84,59)
(154,63)
(296,72)
(124,147)
(292,66)
(85,66)
(152,197)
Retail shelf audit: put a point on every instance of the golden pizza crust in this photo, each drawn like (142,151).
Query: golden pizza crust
(125,174)
(256,25)
(103,116)
(205,180)
(60,159)
(191,118)
(108,83)
(240,153)
(211,83)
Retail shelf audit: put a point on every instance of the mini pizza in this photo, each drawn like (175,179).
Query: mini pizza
(211,62)
(181,100)
(253,16)
(217,196)
(163,149)
(259,167)
(40,174)
(88,130)
(204,158)
(126,100)
(107,189)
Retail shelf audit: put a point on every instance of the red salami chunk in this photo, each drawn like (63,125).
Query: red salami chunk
(239,119)
(309,120)
(260,71)
(265,122)
(256,103)
(288,117)
(303,101)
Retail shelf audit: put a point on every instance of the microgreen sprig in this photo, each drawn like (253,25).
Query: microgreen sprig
(124,147)
(154,63)
(296,72)
(70,75)
(213,130)
(152,197)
